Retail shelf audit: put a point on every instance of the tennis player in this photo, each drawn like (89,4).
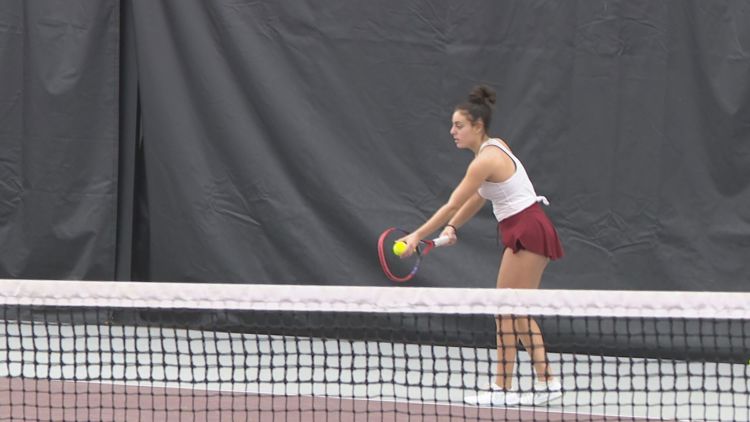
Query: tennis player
(529,237)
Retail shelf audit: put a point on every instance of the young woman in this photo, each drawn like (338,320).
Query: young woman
(529,237)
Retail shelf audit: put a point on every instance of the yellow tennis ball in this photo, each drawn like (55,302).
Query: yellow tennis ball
(399,248)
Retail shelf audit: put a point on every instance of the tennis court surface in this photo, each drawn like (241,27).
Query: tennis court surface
(117,351)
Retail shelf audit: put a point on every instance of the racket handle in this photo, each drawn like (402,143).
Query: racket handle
(441,241)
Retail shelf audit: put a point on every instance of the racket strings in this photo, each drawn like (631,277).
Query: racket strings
(398,268)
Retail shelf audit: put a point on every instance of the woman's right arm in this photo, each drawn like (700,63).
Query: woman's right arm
(465,192)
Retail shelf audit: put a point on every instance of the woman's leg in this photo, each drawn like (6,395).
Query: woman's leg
(506,351)
(531,338)
(519,270)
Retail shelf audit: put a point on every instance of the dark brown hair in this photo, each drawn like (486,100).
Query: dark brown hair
(479,105)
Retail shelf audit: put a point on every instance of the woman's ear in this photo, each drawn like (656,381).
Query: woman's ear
(478,126)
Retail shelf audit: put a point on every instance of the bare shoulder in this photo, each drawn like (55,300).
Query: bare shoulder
(483,164)
(492,157)
(499,166)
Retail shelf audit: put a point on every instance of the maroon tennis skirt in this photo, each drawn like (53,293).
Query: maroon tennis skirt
(531,230)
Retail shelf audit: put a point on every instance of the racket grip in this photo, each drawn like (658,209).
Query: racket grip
(441,241)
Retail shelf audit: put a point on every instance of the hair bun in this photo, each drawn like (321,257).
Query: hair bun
(482,94)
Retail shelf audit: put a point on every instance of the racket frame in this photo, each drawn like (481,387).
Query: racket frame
(423,248)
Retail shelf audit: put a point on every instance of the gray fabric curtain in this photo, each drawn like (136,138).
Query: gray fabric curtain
(59,75)
(265,142)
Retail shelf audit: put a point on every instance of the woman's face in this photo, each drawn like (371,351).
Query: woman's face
(464,133)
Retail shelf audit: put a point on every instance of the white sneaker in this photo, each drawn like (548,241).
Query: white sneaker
(495,397)
(543,392)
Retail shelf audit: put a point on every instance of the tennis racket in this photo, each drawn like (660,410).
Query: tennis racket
(403,269)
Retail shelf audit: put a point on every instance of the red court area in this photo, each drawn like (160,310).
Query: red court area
(52,400)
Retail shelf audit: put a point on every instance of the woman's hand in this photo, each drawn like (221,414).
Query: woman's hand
(412,241)
(450,233)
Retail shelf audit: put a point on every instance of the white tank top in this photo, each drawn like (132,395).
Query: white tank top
(511,196)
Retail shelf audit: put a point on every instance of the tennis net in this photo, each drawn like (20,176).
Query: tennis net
(117,351)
